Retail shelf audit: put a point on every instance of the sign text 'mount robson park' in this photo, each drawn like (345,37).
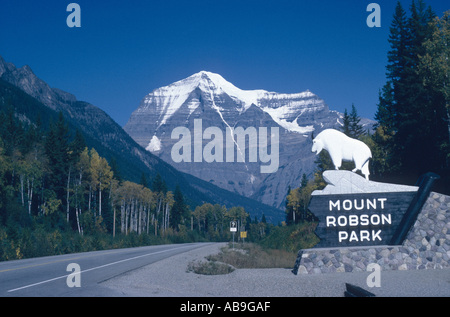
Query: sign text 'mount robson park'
(358,219)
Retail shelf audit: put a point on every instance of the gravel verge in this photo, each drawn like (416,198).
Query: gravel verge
(168,278)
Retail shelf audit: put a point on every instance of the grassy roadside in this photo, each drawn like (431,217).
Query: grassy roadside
(279,249)
(247,255)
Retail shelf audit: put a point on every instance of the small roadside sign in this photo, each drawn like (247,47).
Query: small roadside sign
(233,226)
(243,234)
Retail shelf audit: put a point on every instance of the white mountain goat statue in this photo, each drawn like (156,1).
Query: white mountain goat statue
(341,147)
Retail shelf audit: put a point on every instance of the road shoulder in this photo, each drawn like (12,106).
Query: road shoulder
(168,278)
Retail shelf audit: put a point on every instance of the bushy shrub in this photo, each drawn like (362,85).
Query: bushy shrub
(292,238)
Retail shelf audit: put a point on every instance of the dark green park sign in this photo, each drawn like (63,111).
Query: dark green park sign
(368,219)
(359,219)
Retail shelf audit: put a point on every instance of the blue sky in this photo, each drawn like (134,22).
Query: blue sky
(125,49)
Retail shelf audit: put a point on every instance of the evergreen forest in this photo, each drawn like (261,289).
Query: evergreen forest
(412,132)
(58,196)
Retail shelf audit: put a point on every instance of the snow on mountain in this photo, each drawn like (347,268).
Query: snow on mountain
(154,145)
(169,99)
(220,104)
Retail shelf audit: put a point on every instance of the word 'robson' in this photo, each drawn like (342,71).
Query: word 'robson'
(361,220)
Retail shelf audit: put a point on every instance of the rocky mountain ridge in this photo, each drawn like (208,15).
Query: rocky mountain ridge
(111,141)
(219,104)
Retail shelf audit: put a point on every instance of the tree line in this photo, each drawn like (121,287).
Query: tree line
(59,196)
(411,135)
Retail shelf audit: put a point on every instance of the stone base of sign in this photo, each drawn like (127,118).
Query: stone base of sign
(427,246)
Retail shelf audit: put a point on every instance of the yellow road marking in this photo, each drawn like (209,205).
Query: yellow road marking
(56,261)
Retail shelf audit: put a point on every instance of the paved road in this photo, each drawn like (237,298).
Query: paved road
(49,276)
(168,278)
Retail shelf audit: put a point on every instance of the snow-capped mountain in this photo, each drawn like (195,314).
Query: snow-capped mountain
(284,109)
(224,107)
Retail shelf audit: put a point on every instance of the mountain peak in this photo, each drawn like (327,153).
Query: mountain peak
(205,73)
(27,69)
(217,79)
(211,81)
(5,67)
(201,75)
(283,108)
(218,104)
